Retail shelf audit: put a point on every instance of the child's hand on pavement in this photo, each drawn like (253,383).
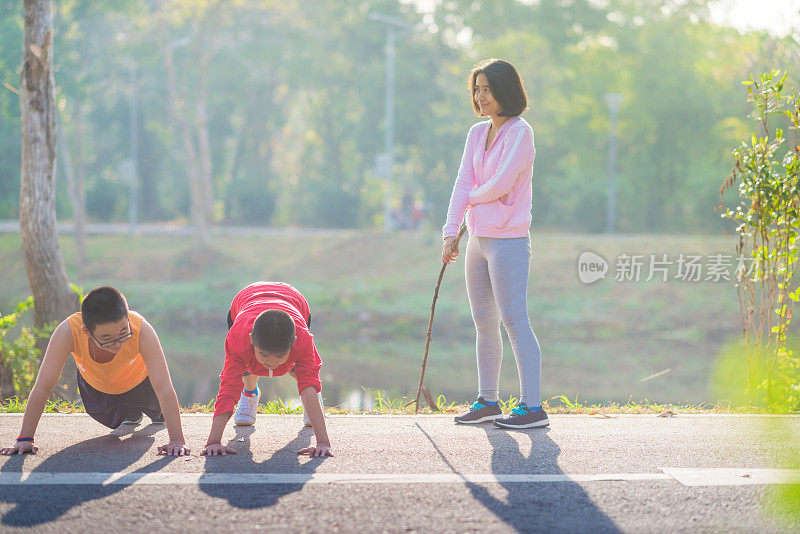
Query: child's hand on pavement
(21,447)
(217,449)
(320,451)
(174,448)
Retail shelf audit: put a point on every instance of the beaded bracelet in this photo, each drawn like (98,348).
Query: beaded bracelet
(23,438)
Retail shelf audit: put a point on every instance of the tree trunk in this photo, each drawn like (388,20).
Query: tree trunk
(75,183)
(192,167)
(6,382)
(152,208)
(204,142)
(80,191)
(53,298)
(239,151)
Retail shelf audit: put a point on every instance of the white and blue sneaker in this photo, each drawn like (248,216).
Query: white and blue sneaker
(524,417)
(246,409)
(158,420)
(133,419)
(481,411)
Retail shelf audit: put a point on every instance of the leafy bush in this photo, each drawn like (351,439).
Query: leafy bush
(768,217)
(19,355)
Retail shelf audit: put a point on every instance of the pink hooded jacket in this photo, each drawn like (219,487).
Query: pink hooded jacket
(495,184)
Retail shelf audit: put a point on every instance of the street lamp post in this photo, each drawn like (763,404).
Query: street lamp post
(133,193)
(388,134)
(613,100)
(384,163)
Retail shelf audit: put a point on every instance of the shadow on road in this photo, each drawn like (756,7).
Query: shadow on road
(534,507)
(562,506)
(284,460)
(39,504)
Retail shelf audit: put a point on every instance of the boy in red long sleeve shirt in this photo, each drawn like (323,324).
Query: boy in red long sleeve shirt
(268,336)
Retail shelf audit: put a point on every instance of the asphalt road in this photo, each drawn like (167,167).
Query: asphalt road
(409,474)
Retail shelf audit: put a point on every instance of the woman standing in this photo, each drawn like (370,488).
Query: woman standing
(494,188)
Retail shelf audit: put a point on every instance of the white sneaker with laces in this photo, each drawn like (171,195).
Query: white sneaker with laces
(306,419)
(245,414)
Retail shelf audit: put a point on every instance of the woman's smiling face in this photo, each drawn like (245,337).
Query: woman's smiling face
(484,98)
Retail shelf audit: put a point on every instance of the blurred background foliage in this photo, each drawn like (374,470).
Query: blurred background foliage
(284,103)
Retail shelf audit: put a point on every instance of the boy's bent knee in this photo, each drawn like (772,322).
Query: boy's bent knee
(111,420)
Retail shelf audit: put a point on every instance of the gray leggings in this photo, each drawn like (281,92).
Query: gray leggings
(497,286)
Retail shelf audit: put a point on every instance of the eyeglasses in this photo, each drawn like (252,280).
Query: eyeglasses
(121,339)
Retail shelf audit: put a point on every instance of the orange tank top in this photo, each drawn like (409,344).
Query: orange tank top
(123,373)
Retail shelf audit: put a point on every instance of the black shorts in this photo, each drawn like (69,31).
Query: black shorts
(111,410)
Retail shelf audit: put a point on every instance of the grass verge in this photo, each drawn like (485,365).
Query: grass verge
(387,405)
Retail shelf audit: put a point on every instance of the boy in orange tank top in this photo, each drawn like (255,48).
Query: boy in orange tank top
(122,371)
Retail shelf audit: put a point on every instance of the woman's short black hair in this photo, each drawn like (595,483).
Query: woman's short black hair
(273,332)
(505,84)
(103,305)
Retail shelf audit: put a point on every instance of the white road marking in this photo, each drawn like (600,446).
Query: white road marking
(726,476)
(687,477)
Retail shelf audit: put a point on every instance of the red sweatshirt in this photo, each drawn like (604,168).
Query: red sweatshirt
(239,353)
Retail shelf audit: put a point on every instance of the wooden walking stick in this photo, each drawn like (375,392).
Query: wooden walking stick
(422,389)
